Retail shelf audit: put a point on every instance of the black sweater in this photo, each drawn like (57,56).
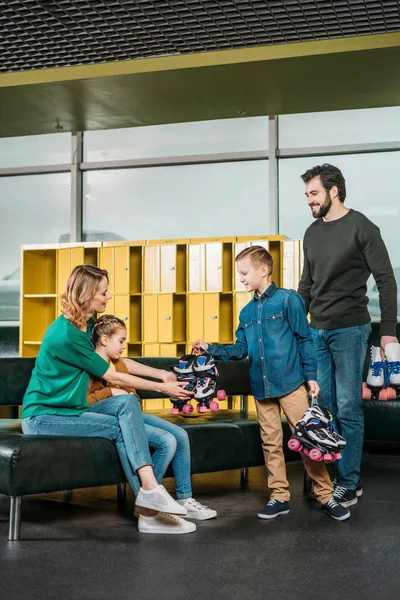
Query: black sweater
(339,257)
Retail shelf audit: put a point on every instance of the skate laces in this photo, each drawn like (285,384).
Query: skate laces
(377,368)
(394,367)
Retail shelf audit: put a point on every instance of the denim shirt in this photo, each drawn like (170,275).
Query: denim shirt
(274,333)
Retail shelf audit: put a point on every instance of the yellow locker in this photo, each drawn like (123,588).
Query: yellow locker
(151,349)
(171,318)
(172,260)
(39,270)
(151,265)
(106,261)
(121,270)
(63,268)
(150,312)
(196,268)
(210,266)
(173,350)
(240,299)
(195,317)
(210,317)
(121,308)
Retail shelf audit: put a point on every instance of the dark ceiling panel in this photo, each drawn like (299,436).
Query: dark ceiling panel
(41,34)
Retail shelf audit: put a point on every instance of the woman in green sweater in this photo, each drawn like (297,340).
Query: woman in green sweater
(55,400)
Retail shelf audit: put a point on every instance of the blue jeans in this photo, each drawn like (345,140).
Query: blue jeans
(340,358)
(172,446)
(120,420)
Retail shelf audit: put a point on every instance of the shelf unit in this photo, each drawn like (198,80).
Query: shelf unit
(168,292)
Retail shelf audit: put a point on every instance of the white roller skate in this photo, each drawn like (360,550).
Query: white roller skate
(374,388)
(392,353)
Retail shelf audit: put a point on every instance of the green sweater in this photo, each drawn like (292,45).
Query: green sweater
(59,381)
(339,257)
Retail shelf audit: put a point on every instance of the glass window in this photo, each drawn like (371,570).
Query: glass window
(340,127)
(33,150)
(34,209)
(180,139)
(178,202)
(371,189)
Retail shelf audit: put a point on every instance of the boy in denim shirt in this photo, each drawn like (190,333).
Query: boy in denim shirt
(274,333)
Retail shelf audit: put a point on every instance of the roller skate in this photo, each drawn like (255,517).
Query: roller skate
(207,384)
(185,372)
(315,436)
(375,386)
(392,354)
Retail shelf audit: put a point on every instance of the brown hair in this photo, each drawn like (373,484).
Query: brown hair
(330,176)
(82,285)
(258,256)
(106,325)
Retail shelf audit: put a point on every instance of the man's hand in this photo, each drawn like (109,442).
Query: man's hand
(200,345)
(166,376)
(387,339)
(174,389)
(313,388)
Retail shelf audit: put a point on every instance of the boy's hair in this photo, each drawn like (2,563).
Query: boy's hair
(258,256)
(106,325)
(329,176)
(81,286)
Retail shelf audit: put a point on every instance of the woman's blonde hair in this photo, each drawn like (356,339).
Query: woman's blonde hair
(106,325)
(82,285)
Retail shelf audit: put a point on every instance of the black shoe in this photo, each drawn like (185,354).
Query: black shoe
(335,510)
(273,509)
(344,496)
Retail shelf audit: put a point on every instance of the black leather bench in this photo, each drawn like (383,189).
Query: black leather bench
(39,464)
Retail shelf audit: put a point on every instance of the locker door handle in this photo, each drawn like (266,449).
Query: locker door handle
(214,317)
(172,268)
(124,318)
(219,267)
(168,318)
(127,269)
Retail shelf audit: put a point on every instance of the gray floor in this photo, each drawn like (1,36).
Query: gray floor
(86,549)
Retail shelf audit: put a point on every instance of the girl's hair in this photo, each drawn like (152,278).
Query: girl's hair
(106,325)
(82,285)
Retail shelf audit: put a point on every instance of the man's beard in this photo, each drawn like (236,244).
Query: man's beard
(323,209)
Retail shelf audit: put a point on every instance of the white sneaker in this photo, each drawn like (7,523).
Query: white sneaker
(197,511)
(165,523)
(159,499)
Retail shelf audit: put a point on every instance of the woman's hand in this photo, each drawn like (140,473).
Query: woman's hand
(313,388)
(118,392)
(174,389)
(200,345)
(166,376)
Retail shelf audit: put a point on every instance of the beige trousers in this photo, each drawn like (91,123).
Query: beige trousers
(294,406)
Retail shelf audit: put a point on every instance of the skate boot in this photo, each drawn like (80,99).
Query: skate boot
(392,353)
(373,388)
(315,437)
(207,384)
(185,372)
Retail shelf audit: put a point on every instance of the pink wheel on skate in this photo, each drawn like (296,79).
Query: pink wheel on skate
(383,396)
(175,411)
(201,409)
(214,406)
(338,456)
(391,393)
(221,395)
(294,445)
(366,392)
(315,454)
(329,457)
(187,409)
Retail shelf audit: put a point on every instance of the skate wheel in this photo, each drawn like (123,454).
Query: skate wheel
(294,445)
(201,409)
(383,396)
(221,395)
(214,406)
(391,393)
(315,454)
(175,411)
(329,458)
(187,409)
(366,392)
(338,456)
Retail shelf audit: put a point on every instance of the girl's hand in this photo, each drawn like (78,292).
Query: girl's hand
(313,388)
(200,345)
(167,376)
(118,392)
(174,389)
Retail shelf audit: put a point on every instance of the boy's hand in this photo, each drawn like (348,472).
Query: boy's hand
(166,376)
(313,388)
(200,345)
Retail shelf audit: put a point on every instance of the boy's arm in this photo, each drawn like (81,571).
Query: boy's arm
(305,282)
(236,351)
(299,325)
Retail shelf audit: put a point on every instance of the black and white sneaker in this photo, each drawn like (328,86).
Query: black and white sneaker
(335,510)
(359,489)
(273,509)
(344,496)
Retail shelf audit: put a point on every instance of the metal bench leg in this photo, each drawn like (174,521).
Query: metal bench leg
(244,476)
(15,518)
(121,494)
(243,403)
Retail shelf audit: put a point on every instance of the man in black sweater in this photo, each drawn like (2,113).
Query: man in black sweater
(341,249)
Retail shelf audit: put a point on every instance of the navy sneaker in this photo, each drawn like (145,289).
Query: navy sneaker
(273,509)
(344,496)
(359,490)
(335,510)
